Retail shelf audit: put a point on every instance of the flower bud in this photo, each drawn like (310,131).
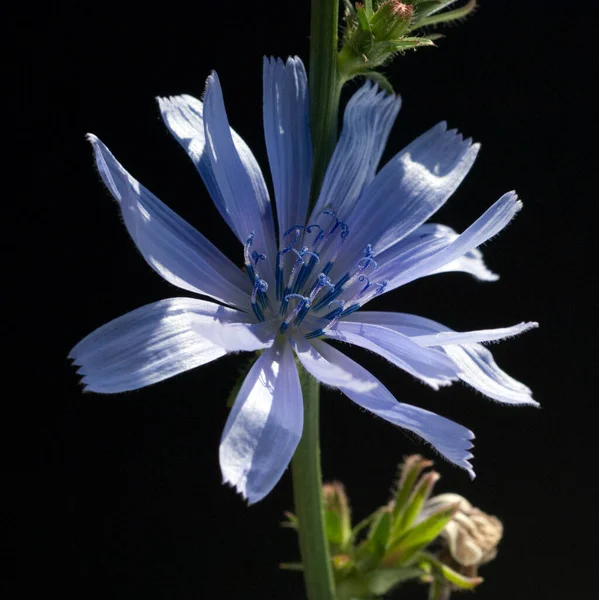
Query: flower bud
(337,514)
(391,20)
(470,538)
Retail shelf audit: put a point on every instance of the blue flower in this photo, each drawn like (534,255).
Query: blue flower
(305,277)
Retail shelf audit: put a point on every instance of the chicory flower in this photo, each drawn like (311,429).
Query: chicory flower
(305,276)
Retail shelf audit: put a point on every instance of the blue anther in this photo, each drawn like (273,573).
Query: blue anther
(314,334)
(304,304)
(301,314)
(303,298)
(258,297)
(348,311)
(257,312)
(305,271)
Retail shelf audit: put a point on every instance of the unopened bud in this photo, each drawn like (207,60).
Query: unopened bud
(391,20)
(470,538)
(337,513)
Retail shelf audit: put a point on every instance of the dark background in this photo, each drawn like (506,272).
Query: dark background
(120,496)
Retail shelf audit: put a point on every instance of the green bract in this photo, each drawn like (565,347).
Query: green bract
(392,545)
(376,31)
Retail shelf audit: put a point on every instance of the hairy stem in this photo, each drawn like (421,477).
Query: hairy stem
(325,87)
(307,492)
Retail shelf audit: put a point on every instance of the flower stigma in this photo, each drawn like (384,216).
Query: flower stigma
(304,290)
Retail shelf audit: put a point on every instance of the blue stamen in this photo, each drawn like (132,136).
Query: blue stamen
(260,286)
(304,301)
(306,271)
(330,296)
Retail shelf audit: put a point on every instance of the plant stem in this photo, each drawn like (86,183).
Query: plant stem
(325,87)
(307,492)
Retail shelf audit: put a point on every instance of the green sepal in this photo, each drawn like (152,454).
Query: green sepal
(457,579)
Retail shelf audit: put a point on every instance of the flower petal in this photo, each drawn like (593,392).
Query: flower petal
(475,364)
(184,117)
(432,366)
(240,180)
(450,439)
(410,188)
(287,132)
(264,426)
(161,340)
(367,121)
(433,255)
(172,247)
(433,237)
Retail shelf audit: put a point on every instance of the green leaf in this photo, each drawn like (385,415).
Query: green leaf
(379,582)
(380,80)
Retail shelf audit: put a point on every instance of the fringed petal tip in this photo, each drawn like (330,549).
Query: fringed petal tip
(378,93)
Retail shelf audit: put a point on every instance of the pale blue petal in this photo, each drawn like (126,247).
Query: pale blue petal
(432,237)
(446,337)
(431,366)
(433,254)
(161,340)
(410,188)
(475,364)
(264,425)
(450,439)
(184,117)
(286,112)
(367,121)
(172,247)
(240,181)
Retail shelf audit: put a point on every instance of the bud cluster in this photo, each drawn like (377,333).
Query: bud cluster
(439,541)
(376,30)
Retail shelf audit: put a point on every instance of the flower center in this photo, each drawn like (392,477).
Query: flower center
(302,284)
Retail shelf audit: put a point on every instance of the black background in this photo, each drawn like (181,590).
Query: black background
(120,496)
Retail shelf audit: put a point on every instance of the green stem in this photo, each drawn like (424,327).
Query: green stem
(307,492)
(325,87)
